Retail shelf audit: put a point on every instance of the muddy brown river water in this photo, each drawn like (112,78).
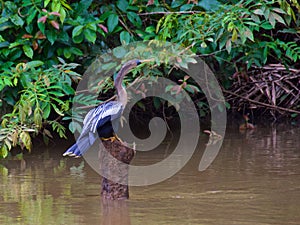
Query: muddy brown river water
(255,179)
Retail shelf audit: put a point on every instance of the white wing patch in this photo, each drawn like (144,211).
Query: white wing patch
(113,109)
(92,118)
(88,116)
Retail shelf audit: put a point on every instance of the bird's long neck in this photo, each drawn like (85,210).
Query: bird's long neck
(121,91)
(122,96)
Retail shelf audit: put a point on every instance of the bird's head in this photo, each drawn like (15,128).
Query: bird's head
(127,67)
(122,95)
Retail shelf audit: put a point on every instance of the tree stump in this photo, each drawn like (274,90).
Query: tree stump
(114,157)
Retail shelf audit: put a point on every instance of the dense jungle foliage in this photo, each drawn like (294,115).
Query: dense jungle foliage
(46,45)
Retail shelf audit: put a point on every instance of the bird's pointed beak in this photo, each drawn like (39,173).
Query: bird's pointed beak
(146,60)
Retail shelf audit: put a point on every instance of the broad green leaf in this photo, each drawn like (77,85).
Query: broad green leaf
(105,15)
(76,51)
(90,35)
(26,139)
(112,22)
(3,151)
(63,37)
(267,26)
(68,90)
(15,81)
(92,26)
(134,18)
(4,44)
(55,6)
(234,35)
(255,18)
(31,14)
(17,20)
(41,27)
(66,5)
(51,36)
(78,39)
(272,19)
(46,111)
(279,10)
(230,26)
(15,44)
(35,63)
(6,25)
(61,60)
(177,3)
(150,29)
(67,53)
(63,15)
(190,89)
(124,37)
(7,143)
(56,93)
(209,5)
(77,31)
(46,2)
(3,20)
(1,38)
(248,33)
(278,18)
(28,51)
(258,12)
(25,80)
(228,106)
(222,41)
(122,5)
(72,127)
(136,9)
(55,87)
(10,5)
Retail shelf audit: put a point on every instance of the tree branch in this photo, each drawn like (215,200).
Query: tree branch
(261,103)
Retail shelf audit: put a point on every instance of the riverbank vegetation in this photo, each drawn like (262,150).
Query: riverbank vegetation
(46,45)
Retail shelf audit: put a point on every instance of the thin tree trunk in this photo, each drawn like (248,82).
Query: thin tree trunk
(115,170)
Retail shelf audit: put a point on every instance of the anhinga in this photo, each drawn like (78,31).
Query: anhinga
(98,123)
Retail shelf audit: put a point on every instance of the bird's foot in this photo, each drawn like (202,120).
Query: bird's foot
(111,139)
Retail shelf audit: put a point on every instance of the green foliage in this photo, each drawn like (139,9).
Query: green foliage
(35,84)
(43,30)
(247,33)
(42,42)
(34,96)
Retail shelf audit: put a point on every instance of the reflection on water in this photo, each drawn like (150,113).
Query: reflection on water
(254,180)
(115,212)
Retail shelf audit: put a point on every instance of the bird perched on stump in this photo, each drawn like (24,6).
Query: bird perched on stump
(99,122)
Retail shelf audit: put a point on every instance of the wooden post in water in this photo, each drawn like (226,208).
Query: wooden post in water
(116,168)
